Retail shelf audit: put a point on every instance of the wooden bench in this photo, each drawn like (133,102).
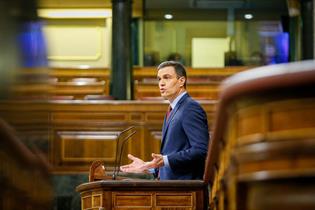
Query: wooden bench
(79,89)
(202,84)
(62,83)
(197,90)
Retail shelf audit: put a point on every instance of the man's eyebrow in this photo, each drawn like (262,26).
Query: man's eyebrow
(164,76)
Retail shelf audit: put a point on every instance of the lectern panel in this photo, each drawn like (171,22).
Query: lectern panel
(132,200)
(176,199)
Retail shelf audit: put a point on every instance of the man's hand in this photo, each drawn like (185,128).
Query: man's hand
(137,165)
(157,160)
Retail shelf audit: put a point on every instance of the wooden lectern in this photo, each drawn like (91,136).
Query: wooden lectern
(105,192)
(143,194)
(101,192)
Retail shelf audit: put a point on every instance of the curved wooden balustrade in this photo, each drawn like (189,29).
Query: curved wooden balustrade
(262,149)
(24,175)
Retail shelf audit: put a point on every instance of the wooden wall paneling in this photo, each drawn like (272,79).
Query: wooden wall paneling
(88,118)
(25,114)
(74,133)
(86,146)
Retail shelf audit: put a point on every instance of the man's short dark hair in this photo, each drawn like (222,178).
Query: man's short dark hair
(179,69)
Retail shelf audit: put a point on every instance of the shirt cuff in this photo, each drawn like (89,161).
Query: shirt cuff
(165,159)
(151,170)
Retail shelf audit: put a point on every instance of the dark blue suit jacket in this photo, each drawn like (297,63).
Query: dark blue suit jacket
(185,140)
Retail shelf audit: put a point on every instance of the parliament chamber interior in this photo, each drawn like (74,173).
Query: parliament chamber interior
(79,91)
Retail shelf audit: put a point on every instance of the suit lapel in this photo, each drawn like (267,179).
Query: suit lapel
(167,122)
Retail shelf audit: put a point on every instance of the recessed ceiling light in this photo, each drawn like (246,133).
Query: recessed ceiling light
(168,16)
(248,16)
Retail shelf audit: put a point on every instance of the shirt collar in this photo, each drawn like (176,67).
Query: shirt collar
(174,103)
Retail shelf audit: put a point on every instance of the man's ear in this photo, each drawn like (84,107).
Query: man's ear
(182,81)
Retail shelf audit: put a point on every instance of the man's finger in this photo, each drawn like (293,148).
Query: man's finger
(156,155)
(131,157)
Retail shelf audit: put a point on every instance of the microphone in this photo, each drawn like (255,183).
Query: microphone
(117,143)
(116,171)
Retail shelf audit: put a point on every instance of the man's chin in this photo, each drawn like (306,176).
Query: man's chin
(164,96)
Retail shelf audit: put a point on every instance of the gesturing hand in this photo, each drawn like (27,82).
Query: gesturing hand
(157,160)
(137,165)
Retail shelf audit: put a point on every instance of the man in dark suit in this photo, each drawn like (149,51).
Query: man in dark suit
(184,134)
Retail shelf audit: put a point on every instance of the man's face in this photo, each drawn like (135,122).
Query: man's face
(169,83)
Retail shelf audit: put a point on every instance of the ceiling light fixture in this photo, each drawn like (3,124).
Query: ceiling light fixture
(248,16)
(168,16)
